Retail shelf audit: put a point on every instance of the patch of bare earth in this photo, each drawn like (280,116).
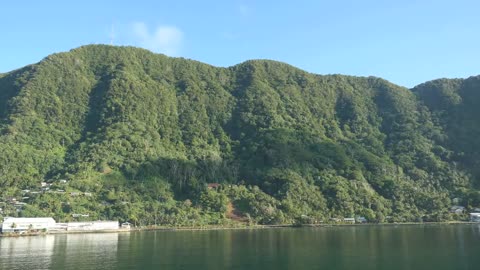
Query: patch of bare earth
(234,214)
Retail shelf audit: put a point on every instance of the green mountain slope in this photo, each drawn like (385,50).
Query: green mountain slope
(454,107)
(138,136)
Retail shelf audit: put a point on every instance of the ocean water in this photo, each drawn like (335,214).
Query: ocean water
(344,247)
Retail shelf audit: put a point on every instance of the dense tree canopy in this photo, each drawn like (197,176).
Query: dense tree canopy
(138,136)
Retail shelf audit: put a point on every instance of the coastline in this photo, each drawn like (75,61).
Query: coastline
(250,227)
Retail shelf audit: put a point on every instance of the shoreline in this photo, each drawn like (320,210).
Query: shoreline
(250,227)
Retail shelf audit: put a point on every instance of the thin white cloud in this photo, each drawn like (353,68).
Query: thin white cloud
(244,10)
(164,39)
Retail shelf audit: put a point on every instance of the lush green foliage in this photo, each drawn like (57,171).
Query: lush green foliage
(139,135)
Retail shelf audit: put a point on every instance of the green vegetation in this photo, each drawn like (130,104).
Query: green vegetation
(122,133)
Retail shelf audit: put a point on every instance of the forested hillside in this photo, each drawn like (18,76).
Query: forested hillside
(122,133)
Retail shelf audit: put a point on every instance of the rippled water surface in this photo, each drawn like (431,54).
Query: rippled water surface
(355,247)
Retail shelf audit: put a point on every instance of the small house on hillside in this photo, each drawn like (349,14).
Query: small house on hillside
(80,215)
(213,185)
(361,220)
(349,220)
(126,225)
(457,209)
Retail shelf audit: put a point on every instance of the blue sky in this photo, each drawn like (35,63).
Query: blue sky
(406,42)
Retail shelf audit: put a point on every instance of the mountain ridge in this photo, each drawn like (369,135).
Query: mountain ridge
(151,131)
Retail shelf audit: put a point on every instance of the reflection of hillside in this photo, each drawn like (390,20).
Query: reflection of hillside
(29,252)
(89,250)
(476,230)
(66,251)
(340,247)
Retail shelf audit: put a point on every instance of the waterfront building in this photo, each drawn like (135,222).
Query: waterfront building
(19,225)
(93,226)
(475,217)
(12,224)
(349,220)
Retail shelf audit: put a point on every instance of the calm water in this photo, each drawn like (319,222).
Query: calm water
(359,247)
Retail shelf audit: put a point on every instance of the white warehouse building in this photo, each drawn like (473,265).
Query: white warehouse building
(93,226)
(475,217)
(12,224)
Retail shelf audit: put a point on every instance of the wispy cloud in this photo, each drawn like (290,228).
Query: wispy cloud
(164,38)
(243,9)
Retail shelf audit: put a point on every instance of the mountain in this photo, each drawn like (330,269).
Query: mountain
(123,133)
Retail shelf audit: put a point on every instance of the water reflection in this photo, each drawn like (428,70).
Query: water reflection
(87,250)
(26,252)
(476,230)
(355,247)
(65,251)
